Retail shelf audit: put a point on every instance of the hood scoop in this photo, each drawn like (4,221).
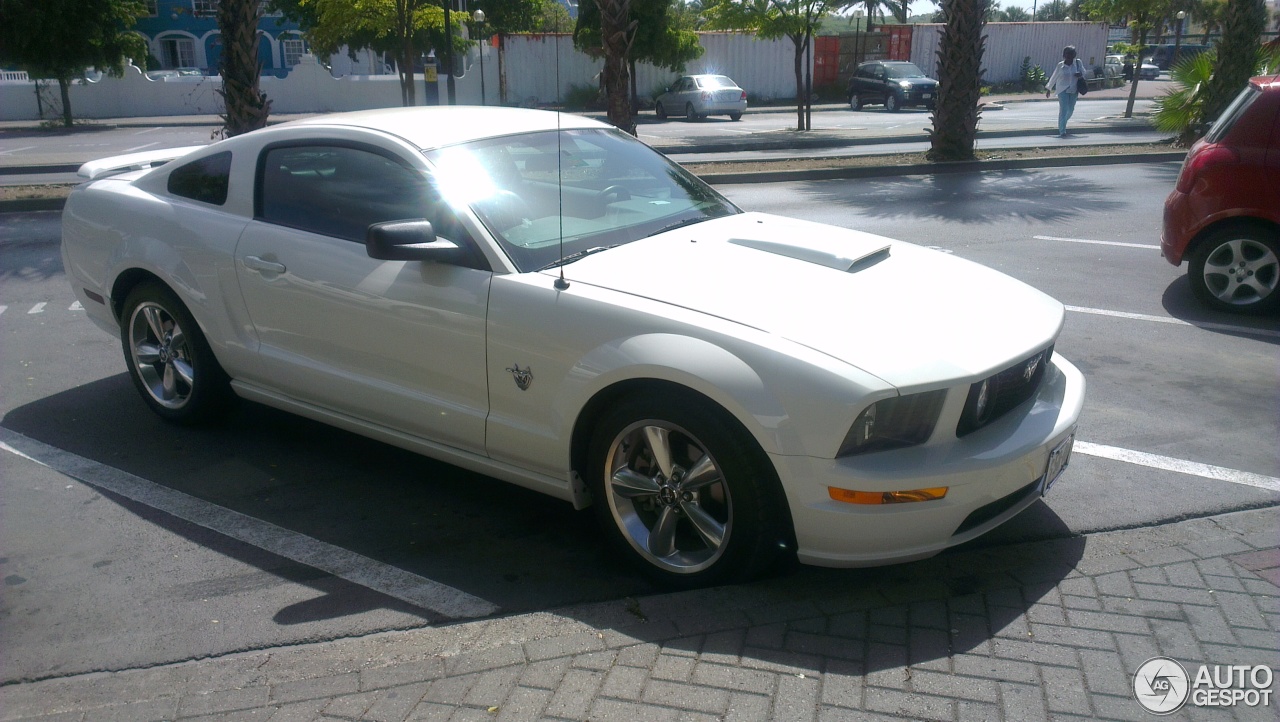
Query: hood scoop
(835,255)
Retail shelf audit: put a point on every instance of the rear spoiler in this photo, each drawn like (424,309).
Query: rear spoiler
(133,161)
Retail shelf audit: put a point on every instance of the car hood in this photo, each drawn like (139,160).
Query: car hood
(909,315)
(919,82)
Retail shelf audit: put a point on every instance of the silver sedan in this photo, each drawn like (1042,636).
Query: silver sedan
(697,96)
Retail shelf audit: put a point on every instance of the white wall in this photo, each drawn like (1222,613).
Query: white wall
(1008,43)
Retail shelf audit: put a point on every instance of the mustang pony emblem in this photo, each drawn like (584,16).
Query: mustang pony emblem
(1027,372)
(523,377)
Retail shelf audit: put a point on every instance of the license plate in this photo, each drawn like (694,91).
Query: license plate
(927,96)
(1058,459)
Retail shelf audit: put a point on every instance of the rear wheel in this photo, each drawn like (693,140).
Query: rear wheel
(735,117)
(685,492)
(661,112)
(689,112)
(169,360)
(1237,269)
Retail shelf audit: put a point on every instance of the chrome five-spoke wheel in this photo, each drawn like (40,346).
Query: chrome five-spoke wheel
(169,360)
(681,487)
(161,355)
(668,496)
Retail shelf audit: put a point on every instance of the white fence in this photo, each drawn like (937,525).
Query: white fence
(1009,43)
(540,69)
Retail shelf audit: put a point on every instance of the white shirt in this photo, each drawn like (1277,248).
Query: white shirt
(1064,78)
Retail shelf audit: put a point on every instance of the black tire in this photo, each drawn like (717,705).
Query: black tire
(660,111)
(1237,269)
(892,103)
(736,492)
(689,113)
(169,359)
(855,102)
(735,117)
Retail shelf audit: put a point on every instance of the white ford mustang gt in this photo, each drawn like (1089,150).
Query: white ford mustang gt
(543,299)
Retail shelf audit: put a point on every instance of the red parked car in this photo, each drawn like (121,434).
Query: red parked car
(1224,214)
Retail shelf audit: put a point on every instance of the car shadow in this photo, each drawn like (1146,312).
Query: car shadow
(1181,303)
(971,198)
(521,550)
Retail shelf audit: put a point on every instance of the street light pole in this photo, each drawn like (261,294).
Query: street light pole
(1177,43)
(448,54)
(478,17)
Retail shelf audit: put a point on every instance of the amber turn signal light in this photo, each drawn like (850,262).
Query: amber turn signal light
(886,497)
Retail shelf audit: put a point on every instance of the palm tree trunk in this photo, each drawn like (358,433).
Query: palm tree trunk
(955,120)
(247,107)
(64,89)
(502,68)
(799,65)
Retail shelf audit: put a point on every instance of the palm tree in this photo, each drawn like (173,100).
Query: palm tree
(1181,110)
(1242,27)
(955,121)
(1015,14)
(247,106)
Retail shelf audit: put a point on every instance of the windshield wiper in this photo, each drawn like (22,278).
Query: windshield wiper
(576,256)
(679,224)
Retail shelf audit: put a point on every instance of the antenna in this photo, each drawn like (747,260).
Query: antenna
(560,283)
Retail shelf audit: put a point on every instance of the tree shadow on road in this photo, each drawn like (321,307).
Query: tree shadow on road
(971,198)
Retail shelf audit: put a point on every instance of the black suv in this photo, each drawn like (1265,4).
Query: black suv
(894,83)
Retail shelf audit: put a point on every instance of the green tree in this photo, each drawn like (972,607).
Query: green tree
(1053,11)
(1141,15)
(504,17)
(58,39)
(960,48)
(1237,52)
(403,28)
(247,106)
(1015,14)
(1208,13)
(663,37)
(771,19)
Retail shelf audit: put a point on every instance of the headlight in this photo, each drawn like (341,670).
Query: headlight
(894,423)
(904,84)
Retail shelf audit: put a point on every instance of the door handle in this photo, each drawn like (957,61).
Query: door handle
(259,264)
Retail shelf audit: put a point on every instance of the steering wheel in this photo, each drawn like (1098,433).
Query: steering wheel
(621,192)
(505,209)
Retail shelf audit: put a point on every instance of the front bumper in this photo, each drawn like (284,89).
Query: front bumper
(991,475)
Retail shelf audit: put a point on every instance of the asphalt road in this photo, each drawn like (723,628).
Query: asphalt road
(1179,421)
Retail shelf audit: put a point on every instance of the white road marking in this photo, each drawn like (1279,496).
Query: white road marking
(16,150)
(38,308)
(341,563)
(147,130)
(3,309)
(1177,321)
(140,147)
(1181,466)
(75,307)
(1147,246)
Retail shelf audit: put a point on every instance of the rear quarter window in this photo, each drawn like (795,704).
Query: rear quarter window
(205,180)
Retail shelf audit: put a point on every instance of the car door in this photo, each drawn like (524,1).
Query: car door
(397,343)
(864,83)
(683,95)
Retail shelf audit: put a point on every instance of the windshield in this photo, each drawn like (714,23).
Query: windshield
(905,70)
(614,190)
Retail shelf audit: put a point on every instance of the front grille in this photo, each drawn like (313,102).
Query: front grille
(1005,390)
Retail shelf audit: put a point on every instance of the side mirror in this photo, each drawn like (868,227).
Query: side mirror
(413,240)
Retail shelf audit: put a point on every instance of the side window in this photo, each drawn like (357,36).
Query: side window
(340,191)
(204,180)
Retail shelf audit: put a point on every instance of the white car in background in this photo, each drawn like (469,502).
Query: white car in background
(698,96)
(545,299)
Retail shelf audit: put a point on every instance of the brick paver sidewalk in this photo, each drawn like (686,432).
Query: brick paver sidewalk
(1045,630)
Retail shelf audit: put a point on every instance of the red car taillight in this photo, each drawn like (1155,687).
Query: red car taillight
(1201,159)
(744,95)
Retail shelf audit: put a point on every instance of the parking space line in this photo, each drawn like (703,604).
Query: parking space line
(1181,466)
(342,563)
(75,307)
(1207,325)
(17,150)
(140,147)
(1147,246)
(3,309)
(38,308)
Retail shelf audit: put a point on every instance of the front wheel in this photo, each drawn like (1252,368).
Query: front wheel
(1237,269)
(685,492)
(891,103)
(168,358)
(855,102)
